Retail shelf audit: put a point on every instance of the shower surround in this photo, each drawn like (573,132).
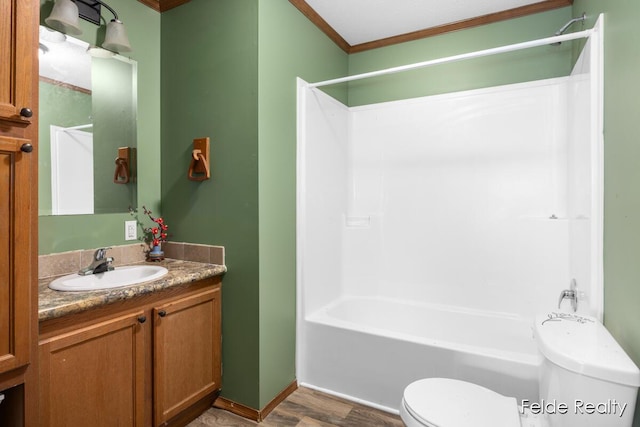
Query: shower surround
(447,223)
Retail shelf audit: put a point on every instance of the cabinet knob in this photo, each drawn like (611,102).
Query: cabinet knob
(26,112)
(142,319)
(162,313)
(26,148)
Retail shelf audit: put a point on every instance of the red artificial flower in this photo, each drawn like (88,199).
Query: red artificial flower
(158,233)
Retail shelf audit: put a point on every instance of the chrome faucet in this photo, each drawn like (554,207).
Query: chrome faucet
(571,294)
(100,263)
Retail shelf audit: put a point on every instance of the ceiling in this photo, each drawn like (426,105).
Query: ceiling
(357,25)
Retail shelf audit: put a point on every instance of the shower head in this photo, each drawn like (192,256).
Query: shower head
(566,26)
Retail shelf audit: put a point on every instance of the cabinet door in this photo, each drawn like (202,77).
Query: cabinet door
(94,376)
(186,352)
(16,168)
(17,47)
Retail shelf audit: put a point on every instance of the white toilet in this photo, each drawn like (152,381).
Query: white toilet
(585,380)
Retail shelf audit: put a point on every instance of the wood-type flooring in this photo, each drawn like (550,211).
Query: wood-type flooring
(306,408)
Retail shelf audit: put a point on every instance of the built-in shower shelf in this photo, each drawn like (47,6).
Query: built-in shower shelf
(553,218)
(544,218)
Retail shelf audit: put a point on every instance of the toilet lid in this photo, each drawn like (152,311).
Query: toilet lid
(443,402)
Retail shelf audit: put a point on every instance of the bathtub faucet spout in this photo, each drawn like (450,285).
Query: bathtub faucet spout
(571,294)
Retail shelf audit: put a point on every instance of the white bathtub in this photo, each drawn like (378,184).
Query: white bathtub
(370,349)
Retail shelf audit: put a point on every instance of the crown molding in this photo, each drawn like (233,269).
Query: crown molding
(314,17)
(163,5)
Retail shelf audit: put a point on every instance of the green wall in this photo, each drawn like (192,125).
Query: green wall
(210,88)
(229,73)
(64,233)
(621,169)
(289,47)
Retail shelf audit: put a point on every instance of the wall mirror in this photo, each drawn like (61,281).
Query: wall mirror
(87,124)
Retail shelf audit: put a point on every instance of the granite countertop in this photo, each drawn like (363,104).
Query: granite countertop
(52,304)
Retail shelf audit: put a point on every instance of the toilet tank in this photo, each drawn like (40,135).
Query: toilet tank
(586,379)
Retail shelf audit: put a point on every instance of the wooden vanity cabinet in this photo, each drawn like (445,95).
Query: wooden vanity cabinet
(153,360)
(187,352)
(94,376)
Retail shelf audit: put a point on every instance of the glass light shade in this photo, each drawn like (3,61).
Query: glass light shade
(98,52)
(116,38)
(64,17)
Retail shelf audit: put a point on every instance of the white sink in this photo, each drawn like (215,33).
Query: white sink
(121,276)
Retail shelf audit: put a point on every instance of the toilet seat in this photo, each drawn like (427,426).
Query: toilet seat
(443,402)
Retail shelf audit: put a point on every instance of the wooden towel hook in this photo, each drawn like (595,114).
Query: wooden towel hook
(122,174)
(199,167)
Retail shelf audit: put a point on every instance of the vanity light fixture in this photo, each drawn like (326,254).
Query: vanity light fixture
(65,14)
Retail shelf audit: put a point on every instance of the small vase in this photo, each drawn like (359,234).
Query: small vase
(155,254)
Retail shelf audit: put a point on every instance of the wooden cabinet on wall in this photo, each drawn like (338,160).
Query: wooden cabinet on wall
(15,254)
(153,360)
(18,60)
(18,210)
